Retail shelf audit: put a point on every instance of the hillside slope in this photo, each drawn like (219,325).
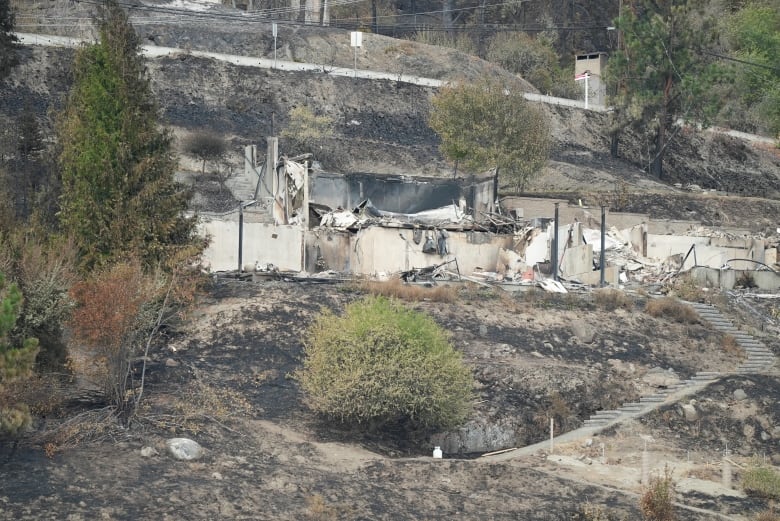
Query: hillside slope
(380,124)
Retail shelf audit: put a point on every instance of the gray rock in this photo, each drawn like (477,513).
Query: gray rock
(583,331)
(657,377)
(148,452)
(483,330)
(184,449)
(765,436)
(690,412)
(739,394)
(478,437)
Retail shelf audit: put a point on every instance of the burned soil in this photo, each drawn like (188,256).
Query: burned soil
(223,379)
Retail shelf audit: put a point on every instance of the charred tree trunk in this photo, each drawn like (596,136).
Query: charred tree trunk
(614,141)
(448,6)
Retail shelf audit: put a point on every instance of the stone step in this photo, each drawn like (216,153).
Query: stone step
(595,422)
(632,404)
(609,416)
(631,410)
(652,399)
(707,373)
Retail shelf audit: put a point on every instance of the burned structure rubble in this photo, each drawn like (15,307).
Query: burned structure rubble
(305,221)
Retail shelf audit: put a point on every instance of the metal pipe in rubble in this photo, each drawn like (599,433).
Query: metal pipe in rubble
(555,246)
(603,245)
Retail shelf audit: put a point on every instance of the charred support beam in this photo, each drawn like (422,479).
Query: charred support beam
(602,262)
(240,236)
(555,246)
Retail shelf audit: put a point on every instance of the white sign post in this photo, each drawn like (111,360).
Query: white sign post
(356,40)
(584,76)
(274,31)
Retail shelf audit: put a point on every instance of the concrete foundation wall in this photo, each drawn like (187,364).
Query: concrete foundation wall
(332,247)
(534,207)
(387,250)
(706,254)
(265,243)
(726,279)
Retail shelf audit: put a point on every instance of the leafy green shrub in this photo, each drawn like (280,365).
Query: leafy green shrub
(612,299)
(761,482)
(16,361)
(673,309)
(44,269)
(383,364)
(657,500)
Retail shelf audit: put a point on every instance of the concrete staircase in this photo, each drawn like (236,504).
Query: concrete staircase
(759,359)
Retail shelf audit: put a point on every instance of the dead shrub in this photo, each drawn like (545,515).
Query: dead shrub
(398,289)
(672,309)
(195,405)
(115,312)
(318,509)
(686,288)
(745,281)
(558,409)
(593,512)
(768,515)
(730,346)
(657,499)
(612,299)
(92,425)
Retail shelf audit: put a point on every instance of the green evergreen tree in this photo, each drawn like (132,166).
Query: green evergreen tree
(754,32)
(119,196)
(16,362)
(659,74)
(8,41)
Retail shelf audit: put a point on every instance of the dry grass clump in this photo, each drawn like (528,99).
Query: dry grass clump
(92,425)
(318,509)
(768,515)
(730,346)
(673,309)
(657,500)
(593,512)
(612,299)
(763,482)
(688,289)
(396,288)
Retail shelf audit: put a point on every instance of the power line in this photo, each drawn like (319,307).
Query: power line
(266,16)
(752,64)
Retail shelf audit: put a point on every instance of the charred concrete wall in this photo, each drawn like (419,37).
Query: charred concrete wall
(399,194)
(387,250)
(280,245)
(727,279)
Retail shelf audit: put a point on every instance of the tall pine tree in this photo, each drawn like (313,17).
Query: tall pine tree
(659,73)
(119,198)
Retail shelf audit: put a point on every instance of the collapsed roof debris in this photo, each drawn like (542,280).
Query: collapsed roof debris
(306,221)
